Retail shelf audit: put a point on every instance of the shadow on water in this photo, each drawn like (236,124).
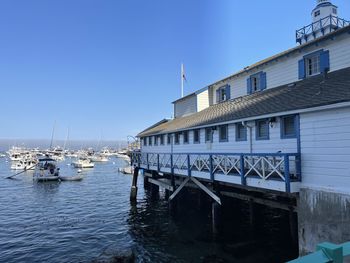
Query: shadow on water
(187,236)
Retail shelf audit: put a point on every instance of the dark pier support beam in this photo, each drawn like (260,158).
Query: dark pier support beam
(293,226)
(216,218)
(172,202)
(216,212)
(145,182)
(133,192)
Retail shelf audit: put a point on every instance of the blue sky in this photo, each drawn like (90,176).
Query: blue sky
(110,68)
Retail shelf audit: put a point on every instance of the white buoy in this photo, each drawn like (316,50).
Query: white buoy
(79,171)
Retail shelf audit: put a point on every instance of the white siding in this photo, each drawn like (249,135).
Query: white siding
(202,100)
(285,70)
(325,148)
(186,106)
(273,145)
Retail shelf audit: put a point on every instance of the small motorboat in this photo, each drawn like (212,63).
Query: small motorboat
(46,170)
(83,163)
(77,177)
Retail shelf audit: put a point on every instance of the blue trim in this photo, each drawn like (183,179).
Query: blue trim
(302,69)
(227,90)
(282,126)
(211,134)
(189,165)
(242,172)
(225,126)
(286,173)
(211,167)
(257,136)
(177,134)
(199,136)
(161,139)
(155,140)
(188,137)
(245,133)
(168,138)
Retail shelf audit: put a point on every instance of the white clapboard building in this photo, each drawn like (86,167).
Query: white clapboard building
(281,124)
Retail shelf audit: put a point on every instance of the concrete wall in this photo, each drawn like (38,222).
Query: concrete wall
(322,216)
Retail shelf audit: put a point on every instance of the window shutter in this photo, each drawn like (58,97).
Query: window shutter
(228,92)
(262,80)
(249,86)
(324,61)
(302,69)
(217,95)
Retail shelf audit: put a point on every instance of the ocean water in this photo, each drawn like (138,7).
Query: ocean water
(82,221)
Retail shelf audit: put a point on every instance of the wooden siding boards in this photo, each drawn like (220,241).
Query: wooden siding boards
(202,100)
(273,145)
(186,106)
(325,147)
(285,70)
(310,93)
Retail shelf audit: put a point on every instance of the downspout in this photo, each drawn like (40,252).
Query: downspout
(250,136)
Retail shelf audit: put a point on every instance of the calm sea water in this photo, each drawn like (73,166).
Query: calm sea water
(80,221)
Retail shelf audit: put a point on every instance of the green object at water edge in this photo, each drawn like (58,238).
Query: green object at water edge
(326,252)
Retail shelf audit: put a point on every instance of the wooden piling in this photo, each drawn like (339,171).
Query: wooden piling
(133,192)
(216,218)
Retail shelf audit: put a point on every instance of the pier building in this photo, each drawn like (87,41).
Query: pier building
(279,127)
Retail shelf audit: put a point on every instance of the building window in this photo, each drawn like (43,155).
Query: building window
(335,11)
(288,127)
(223,94)
(223,133)
(317,13)
(150,140)
(256,82)
(196,136)
(185,133)
(314,63)
(262,129)
(177,138)
(241,132)
(162,139)
(144,141)
(168,138)
(208,135)
(155,140)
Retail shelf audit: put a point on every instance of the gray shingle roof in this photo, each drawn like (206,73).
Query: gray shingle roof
(312,92)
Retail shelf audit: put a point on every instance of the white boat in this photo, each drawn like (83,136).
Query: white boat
(98,158)
(83,163)
(24,164)
(46,170)
(2,155)
(106,152)
(77,177)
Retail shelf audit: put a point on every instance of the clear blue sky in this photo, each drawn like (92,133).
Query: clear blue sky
(112,67)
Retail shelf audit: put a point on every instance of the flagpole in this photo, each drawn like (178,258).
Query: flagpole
(182,80)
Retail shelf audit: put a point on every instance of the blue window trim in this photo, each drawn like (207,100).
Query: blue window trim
(262,80)
(324,63)
(155,140)
(168,138)
(245,133)
(226,127)
(188,137)
(227,88)
(294,136)
(211,134)
(150,140)
(199,136)
(260,138)
(177,134)
(161,139)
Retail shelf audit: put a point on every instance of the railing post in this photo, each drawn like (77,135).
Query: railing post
(188,165)
(211,169)
(172,163)
(243,179)
(147,161)
(286,173)
(158,165)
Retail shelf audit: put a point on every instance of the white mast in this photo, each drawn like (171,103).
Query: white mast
(182,80)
